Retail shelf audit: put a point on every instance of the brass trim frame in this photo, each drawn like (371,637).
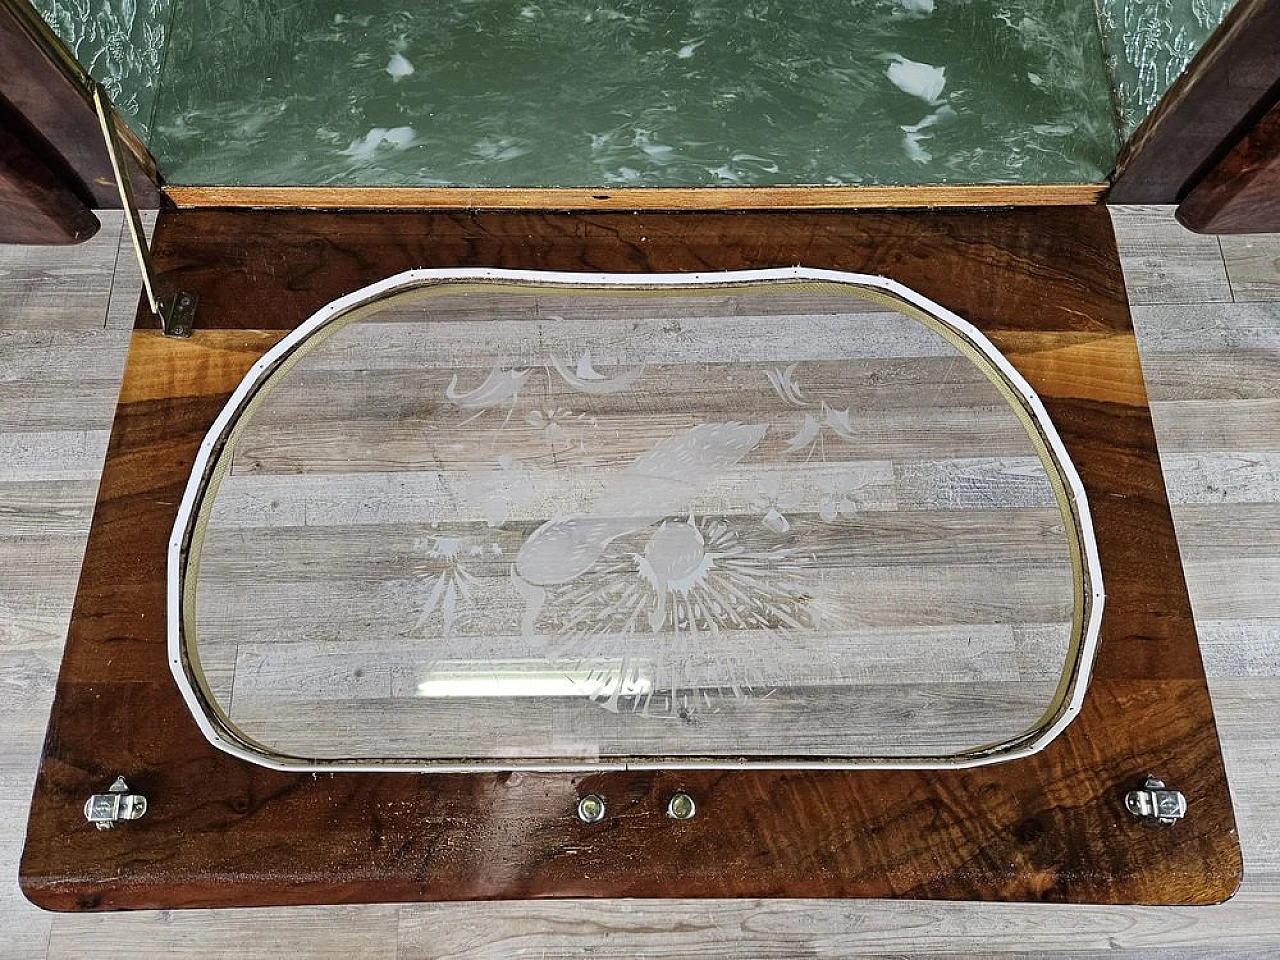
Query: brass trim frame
(213,461)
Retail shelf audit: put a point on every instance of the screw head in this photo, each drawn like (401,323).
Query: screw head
(681,807)
(591,808)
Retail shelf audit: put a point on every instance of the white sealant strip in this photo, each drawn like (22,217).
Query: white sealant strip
(410,279)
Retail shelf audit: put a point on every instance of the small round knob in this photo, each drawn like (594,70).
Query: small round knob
(681,807)
(591,808)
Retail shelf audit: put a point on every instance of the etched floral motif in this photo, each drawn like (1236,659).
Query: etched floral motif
(773,500)
(786,386)
(560,426)
(446,581)
(629,579)
(585,379)
(494,492)
(811,438)
(500,387)
(654,485)
(671,584)
(812,435)
(838,500)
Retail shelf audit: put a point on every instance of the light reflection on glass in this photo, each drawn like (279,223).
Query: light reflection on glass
(594,679)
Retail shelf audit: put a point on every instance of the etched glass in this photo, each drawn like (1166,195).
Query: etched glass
(532,522)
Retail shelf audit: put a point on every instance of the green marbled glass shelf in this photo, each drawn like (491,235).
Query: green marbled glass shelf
(705,93)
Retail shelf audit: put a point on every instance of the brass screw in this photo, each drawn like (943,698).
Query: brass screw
(681,807)
(591,808)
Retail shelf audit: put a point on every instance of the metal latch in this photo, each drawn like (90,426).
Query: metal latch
(105,810)
(1156,802)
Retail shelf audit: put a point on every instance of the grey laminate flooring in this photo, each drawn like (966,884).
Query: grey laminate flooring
(1208,319)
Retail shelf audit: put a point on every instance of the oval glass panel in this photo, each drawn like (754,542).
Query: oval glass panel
(487,519)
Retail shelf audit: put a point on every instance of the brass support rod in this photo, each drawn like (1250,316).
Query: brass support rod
(106,118)
(175,312)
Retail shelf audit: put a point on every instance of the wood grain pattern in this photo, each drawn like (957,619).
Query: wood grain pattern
(26,680)
(636,198)
(1217,375)
(26,928)
(1241,194)
(43,83)
(61,298)
(776,930)
(33,395)
(1050,828)
(1221,93)
(48,297)
(1241,663)
(333,933)
(1165,264)
(39,203)
(223,257)
(50,455)
(1253,266)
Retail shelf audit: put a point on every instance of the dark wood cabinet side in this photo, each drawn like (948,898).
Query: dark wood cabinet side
(43,84)
(1224,89)
(1242,193)
(37,201)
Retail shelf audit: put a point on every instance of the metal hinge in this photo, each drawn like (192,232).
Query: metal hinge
(177,311)
(1155,801)
(105,810)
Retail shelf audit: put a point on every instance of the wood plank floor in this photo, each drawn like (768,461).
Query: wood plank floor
(1208,320)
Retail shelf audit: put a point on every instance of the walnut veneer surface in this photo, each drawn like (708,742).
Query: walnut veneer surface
(1045,286)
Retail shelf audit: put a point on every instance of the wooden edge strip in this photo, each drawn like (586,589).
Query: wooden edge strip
(643,198)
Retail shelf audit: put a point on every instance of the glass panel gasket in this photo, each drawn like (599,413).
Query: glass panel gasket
(184,543)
